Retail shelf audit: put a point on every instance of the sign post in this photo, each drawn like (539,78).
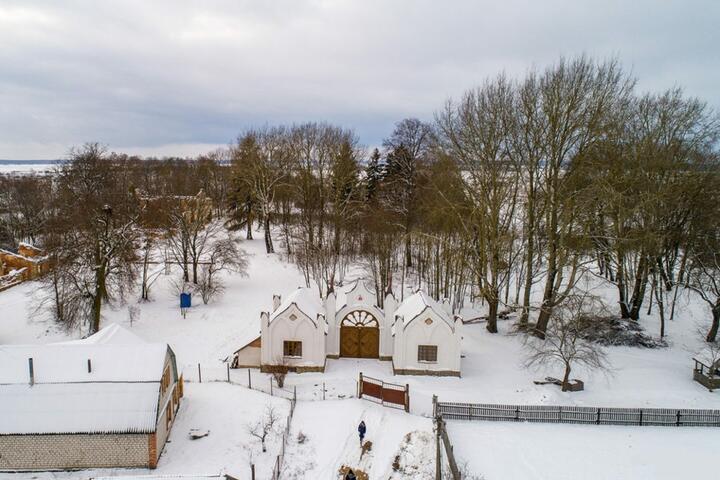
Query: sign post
(185,303)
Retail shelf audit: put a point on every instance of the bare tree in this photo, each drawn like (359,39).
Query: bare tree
(704,279)
(94,233)
(260,165)
(578,98)
(265,426)
(224,255)
(565,341)
(475,133)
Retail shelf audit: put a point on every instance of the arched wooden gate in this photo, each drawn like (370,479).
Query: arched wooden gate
(359,335)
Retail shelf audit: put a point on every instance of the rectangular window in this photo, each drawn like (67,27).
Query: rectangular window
(427,353)
(292,348)
(165,381)
(168,416)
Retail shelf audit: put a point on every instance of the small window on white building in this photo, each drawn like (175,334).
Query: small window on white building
(427,353)
(292,348)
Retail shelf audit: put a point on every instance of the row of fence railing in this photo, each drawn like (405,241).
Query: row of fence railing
(254,379)
(579,415)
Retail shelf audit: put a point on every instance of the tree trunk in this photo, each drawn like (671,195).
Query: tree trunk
(638,295)
(712,334)
(566,378)
(528,264)
(97,299)
(268,238)
(492,314)
(622,287)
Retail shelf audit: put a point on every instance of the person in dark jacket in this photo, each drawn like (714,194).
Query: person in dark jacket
(361,430)
(350,475)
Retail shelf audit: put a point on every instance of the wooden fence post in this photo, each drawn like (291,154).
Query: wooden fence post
(438,456)
(252,471)
(678,418)
(228,371)
(407,397)
(323,390)
(360,386)
(271,390)
(249,380)
(199,374)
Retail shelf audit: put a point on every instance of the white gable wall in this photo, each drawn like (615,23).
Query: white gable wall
(310,332)
(410,334)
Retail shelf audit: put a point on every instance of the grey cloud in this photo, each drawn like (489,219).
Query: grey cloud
(138,74)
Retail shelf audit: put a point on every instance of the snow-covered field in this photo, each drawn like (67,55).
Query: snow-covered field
(491,370)
(25,167)
(520,451)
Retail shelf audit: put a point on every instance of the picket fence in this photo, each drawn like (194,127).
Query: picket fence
(581,415)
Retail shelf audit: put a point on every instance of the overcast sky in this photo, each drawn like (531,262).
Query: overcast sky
(178,77)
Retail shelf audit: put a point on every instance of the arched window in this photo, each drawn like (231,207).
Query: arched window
(360,318)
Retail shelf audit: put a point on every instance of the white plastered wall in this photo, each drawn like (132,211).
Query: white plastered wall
(310,333)
(419,332)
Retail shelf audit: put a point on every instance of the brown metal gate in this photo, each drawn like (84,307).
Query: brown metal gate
(359,342)
(387,393)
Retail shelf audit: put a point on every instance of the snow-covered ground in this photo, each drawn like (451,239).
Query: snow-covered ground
(521,451)
(491,370)
(333,442)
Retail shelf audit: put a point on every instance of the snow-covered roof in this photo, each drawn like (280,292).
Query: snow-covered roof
(79,408)
(108,382)
(415,304)
(305,299)
(68,363)
(110,334)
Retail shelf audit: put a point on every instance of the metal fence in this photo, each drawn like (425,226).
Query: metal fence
(579,415)
(254,379)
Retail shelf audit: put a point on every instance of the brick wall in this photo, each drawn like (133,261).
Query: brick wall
(44,452)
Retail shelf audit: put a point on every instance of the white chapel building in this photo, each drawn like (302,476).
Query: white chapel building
(419,336)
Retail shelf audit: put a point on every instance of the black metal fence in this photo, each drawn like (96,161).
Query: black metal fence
(580,415)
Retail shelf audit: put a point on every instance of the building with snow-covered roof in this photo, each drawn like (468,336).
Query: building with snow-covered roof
(419,336)
(106,401)
(293,334)
(426,338)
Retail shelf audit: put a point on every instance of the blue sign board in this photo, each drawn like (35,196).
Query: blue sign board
(185,300)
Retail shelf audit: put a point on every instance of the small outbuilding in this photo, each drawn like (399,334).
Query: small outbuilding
(107,401)
(426,337)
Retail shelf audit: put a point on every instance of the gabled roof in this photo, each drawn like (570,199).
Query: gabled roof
(417,303)
(305,299)
(116,393)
